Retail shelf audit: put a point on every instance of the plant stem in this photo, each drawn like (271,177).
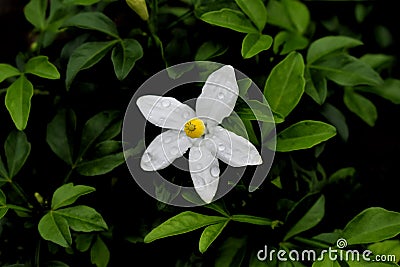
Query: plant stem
(19,208)
(19,191)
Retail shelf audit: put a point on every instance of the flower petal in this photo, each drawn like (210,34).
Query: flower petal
(165,112)
(164,149)
(219,95)
(233,149)
(204,170)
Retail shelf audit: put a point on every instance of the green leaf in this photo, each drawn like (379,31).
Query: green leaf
(314,214)
(370,263)
(3,204)
(231,252)
(329,44)
(231,19)
(298,14)
(182,223)
(68,194)
(108,147)
(337,119)
(40,66)
(95,127)
(286,42)
(342,174)
(303,135)
(372,225)
(101,165)
(257,111)
(18,101)
(96,21)
(7,71)
(255,10)
(83,241)
(17,149)
(278,15)
(387,247)
(316,85)
(99,253)
(251,219)
(378,61)
(3,171)
(85,56)
(254,43)
(124,56)
(209,50)
(54,228)
(389,90)
(326,262)
(360,106)
(83,218)
(59,132)
(35,13)
(285,84)
(81,2)
(210,233)
(346,70)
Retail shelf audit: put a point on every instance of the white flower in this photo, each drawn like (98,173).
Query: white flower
(199,131)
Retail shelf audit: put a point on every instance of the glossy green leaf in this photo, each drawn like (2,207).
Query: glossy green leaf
(40,66)
(298,14)
(209,50)
(360,106)
(286,42)
(210,233)
(3,171)
(99,253)
(7,71)
(231,19)
(346,70)
(35,13)
(93,21)
(95,127)
(182,223)
(342,174)
(108,147)
(251,219)
(329,44)
(313,215)
(101,165)
(316,86)
(326,262)
(54,228)
(389,90)
(255,10)
(18,101)
(372,225)
(68,194)
(17,149)
(285,84)
(278,15)
(85,56)
(337,119)
(303,135)
(59,132)
(254,43)
(83,218)
(257,111)
(378,61)
(3,204)
(124,56)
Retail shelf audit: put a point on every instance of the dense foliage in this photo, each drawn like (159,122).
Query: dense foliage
(327,69)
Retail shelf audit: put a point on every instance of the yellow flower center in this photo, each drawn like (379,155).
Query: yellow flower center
(194,128)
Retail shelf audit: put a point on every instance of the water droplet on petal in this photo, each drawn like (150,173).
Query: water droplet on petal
(199,166)
(146,157)
(186,115)
(174,151)
(161,120)
(195,155)
(166,103)
(220,95)
(221,147)
(214,171)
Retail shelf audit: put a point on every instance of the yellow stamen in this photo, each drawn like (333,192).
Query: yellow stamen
(194,128)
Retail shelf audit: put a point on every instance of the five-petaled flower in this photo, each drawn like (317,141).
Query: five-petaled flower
(198,130)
